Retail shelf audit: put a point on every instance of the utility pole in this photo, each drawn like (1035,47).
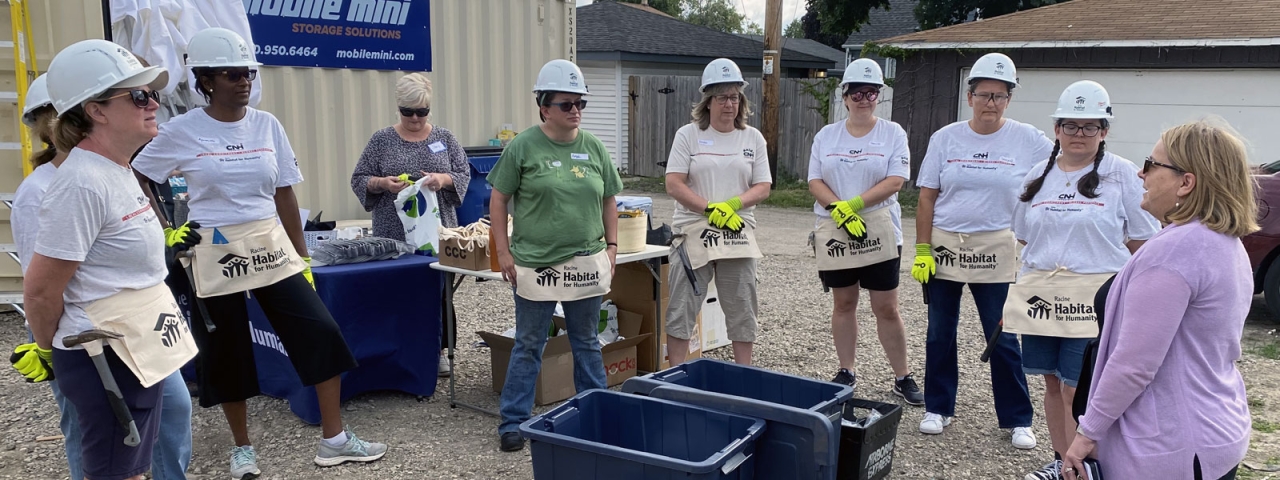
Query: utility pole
(772,82)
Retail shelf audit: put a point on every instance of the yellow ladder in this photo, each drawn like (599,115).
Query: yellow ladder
(24,71)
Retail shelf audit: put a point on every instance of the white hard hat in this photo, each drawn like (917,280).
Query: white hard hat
(994,66)
(863,70)
(219,47)
(1085,99)
(721,70)
(87,68)
(37,98)
(561,75)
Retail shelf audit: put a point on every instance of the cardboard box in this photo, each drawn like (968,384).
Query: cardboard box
(632,290)
(714,332)
(555,380)
(452,254)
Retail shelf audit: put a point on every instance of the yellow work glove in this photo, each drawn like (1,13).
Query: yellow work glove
(33,362)
(306,272)
(845,214)
(924,267)
(183,237)
(725,214)
(404,177)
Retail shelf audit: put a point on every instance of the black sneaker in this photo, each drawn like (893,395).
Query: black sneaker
(845,377)
(908,390)
(512,442)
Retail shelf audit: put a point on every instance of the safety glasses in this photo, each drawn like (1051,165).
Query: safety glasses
(870,95)
(568,106)
(141,98)
(235,75)
(1072,129)
(1146,166)
(411,112)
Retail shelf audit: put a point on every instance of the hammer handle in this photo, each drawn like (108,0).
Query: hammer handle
(117,401)
(991,342)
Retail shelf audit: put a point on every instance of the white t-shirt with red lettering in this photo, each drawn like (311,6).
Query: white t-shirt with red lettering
(719,166)
(852,165)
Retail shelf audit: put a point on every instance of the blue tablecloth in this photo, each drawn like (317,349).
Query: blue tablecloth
(389,312)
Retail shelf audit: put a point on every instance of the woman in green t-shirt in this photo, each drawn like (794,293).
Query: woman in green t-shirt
(561,183)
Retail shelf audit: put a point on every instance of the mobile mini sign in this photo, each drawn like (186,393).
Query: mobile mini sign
(356,34)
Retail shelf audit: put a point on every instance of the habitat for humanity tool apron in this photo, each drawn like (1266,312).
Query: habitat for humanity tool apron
(705,243)
(982,257)
(583,276)
(156,341)
(1055,303)
(835,249)
(243,257)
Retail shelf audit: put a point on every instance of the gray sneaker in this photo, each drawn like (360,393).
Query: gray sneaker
(244,463)
(355,450)
(1052,471)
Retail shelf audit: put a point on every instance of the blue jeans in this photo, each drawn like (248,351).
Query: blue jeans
(942,371)
(533,319)
(172,451)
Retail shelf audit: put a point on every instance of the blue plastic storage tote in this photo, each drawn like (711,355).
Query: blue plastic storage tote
(601,434)
(476,204)
(802,441)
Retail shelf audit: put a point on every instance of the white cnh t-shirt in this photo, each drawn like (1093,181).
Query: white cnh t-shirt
(25,219)
(852,165)
(979,177)
(232,168)
(719,166)
(1086,235)
(95,213)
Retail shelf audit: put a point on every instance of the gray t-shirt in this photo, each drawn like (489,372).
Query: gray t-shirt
(95,213)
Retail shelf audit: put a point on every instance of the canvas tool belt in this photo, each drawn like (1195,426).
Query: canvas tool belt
(243,257)
(705,243)
(983,257)
(581,277)
(156,341)
(1055,303)
(836,250)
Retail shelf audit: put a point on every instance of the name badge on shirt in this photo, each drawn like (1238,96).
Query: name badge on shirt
(580,156)
(707,143)
(207,140)
(436,147)
(877,144)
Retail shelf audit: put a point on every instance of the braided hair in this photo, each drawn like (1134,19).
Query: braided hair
(1088,184)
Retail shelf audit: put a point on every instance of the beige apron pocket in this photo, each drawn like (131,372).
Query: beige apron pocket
(983,257)
(581,277)
(705,243)
(1055,303)
(156,341)
(834,249)
(256,254)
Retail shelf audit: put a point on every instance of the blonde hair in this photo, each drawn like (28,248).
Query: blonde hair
(413,91)
(702,110)
(42,129)
(1223,196)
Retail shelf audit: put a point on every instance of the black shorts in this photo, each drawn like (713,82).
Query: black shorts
(879,277)
(103,452)
(226,368)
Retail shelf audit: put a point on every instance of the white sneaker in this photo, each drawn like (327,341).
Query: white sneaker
(933,423)
(1023,438)
(244,463)
(443,369)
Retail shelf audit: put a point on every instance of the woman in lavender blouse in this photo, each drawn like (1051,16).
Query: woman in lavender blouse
(411,146)
(1167,401)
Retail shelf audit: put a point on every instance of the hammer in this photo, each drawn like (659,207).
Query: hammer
(92,341)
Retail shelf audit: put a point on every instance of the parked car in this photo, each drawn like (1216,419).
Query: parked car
(1264,245)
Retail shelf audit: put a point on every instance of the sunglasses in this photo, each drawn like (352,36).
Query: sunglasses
(141,98)
(1146,166)
(870,95)
(568,106)
(236,75)
(410,112)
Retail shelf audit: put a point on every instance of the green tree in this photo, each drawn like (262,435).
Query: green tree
(794,29)
(831,21)
(715,14)
(669,7)
(752,28)
(940,13)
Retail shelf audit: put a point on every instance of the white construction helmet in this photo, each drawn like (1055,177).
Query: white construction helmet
(37,98)
(1085,99)
(87,68)
(721,70)
(863,70)
(219,47)
(994,66)
(561,75)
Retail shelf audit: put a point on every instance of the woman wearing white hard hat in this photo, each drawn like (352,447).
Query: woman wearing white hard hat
(717,171)
(1080,217)
(855,171)
(240,171)
(565,222)
(969,183)
(98,263)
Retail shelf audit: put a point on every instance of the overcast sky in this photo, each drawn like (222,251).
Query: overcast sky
(754,9)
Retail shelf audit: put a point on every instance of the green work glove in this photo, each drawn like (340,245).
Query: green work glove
(724,214)
(33,362)
(306,272)
(848,207)
(183,237)
(404,177)
(924,267)
(847,218)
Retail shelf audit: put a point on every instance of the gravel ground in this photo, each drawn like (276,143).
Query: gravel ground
(431,441)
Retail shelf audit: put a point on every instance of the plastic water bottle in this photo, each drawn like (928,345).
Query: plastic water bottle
(178,184)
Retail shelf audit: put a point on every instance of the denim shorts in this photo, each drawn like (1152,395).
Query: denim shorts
(1054,356)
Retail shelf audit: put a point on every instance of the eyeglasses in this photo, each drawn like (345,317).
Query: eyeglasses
(728,98)
(568,106)
(1089,130)
(870,95)
(141,98)
(236,75)
(998,98)
(410,112)
(1146,166)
